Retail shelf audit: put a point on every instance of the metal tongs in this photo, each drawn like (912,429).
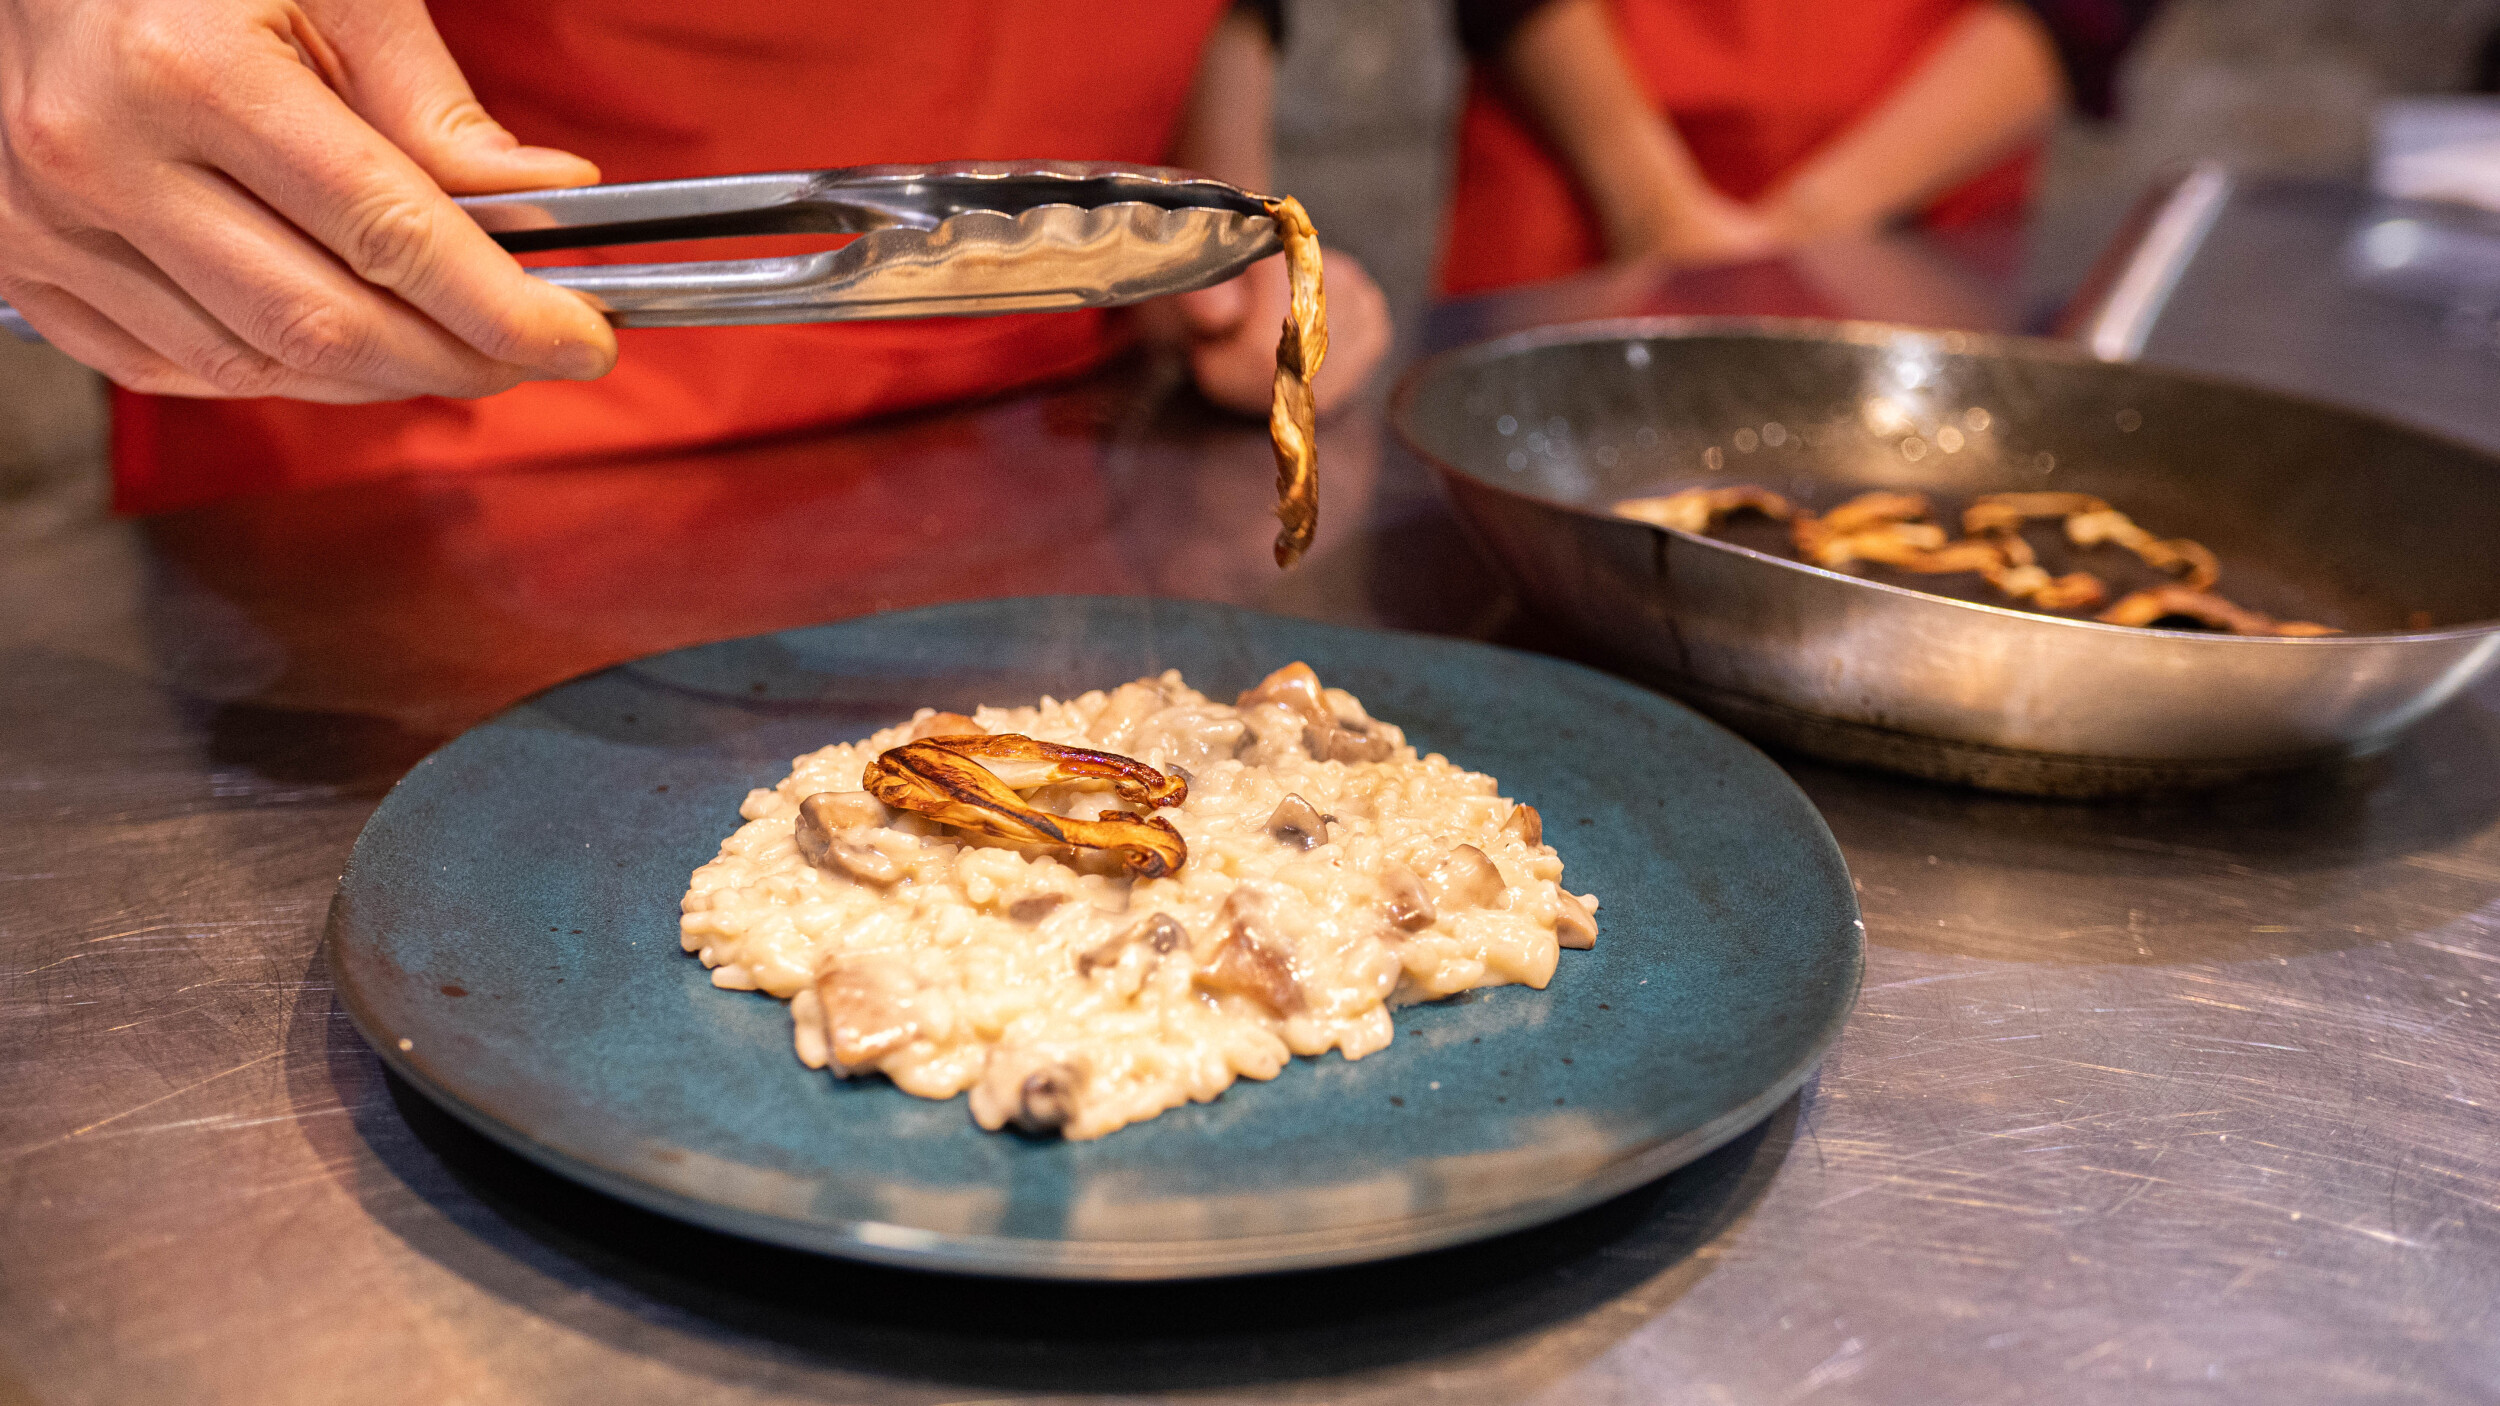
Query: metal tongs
(964,239)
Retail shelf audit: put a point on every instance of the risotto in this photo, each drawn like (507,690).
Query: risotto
(1330,875)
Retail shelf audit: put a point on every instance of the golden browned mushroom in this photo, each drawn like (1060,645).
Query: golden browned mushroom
(2189,561)
(1952,556)
(1526,824)
(2076,590)
(2196,567)
(2006,512)
(1291,415)
(1874,509)
(948,780)
(1877,526)
(2163,602)
(2020,582)
(1250,960)
(1697,510)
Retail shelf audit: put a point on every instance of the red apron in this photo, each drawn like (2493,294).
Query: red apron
(653,89)
(1753,86)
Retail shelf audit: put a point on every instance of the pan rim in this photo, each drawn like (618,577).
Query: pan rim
(1857,332)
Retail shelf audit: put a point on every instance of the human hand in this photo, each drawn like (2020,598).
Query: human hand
(1232,329)
(1698,228)
(247,198)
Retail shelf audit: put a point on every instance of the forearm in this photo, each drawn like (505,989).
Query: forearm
(1565,66)
(1990,84)
(1228,129)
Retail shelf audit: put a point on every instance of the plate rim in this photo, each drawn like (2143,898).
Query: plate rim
(1025,1257)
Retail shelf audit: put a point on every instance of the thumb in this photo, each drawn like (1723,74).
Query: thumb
(395,72)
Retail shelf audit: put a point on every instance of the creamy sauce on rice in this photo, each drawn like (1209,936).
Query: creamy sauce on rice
(1067,995)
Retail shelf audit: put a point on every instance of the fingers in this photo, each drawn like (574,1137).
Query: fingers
(295,305)
(1236,368)
(328,174)
(187,202)
(91,338)
(404,82)
(1234,360)
(1360,333)
(133,323)
(1216,311)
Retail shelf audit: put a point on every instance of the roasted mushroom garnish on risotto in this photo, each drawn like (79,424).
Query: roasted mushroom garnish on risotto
(972,904)
(972,783)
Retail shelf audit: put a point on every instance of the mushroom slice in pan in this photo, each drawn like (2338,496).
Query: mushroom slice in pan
(2017,552)
(1878,526)
(2076,590)
(2004,512)
(2143,608)
(1697,510)
(1292,414)
(1873,509)
(1938,561)
(1527,824)
(971,783)
(2195,567)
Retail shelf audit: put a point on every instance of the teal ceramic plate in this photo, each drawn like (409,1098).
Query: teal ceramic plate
(506,937)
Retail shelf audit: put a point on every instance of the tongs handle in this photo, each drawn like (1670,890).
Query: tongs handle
(960,239)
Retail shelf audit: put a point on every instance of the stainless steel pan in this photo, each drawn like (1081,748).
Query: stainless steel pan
(2316,512)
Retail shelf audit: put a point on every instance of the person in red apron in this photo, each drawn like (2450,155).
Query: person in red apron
(238,210)
(1709,131)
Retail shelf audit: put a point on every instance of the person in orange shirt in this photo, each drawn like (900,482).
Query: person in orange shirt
(239,211)
(1712,131)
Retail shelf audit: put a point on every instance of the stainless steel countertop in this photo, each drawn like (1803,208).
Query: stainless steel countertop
(2186,1101)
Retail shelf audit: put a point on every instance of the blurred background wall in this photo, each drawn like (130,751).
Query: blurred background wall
(2272,86)
(1369,87)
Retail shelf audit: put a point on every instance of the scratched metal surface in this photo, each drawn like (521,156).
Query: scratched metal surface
(2180,1102)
